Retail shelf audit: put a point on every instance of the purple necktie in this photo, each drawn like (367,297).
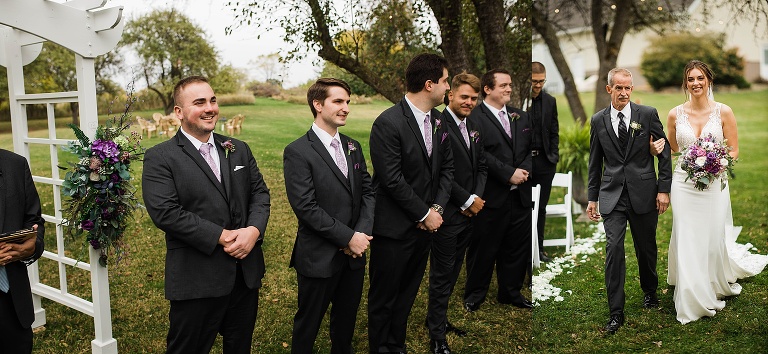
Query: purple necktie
(463,129)
(428,134)
(205,150)
(505,123)
(340,160)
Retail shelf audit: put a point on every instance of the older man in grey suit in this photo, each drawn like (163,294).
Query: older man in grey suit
(330,191)
(206,193)
(622,178)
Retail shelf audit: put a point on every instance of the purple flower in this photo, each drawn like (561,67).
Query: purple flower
(350,147)
(94,243)
(87,225)
(107,150)
(115,177)
(357,166)
(228,147)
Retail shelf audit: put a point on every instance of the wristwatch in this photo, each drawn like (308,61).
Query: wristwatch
(437,208)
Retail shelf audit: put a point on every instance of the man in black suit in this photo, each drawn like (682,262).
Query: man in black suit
(469,175)
(502,232)
(206,193)
(622,179)
(413,170)
(330,191)
(19,209)
(542,111)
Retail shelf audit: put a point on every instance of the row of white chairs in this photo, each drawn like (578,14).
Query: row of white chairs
(564,210)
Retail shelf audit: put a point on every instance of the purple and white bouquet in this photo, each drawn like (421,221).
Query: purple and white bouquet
(101,198)
(706,160)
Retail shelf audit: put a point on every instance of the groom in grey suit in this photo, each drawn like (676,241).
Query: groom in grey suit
(622,179)
(206,193)
(330,191)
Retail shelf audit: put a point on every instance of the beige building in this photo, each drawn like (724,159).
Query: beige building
(578,46)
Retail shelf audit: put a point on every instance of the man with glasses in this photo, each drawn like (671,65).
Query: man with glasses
(542,109)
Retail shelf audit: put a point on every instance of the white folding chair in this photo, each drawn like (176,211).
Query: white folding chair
(563,210)
(535,196)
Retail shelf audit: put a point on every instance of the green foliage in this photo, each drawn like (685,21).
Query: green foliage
(228,79)
(665,59)
(170,47)
(357,86)
(574,150)
(264,89)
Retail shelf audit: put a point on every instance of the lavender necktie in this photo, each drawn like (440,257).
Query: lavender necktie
(463,129)
(505,123)
(340,160)
(428,134)
(4,285)
(205,150)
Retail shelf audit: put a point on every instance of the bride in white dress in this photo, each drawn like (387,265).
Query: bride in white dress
(701,267)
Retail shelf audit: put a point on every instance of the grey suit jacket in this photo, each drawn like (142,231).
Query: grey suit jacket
(329,206)
(610,171)
(20,209)
(185,200)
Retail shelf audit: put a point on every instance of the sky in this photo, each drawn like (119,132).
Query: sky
(238,48)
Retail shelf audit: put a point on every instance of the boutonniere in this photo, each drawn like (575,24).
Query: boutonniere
(228,147)
(475,136)
(514,116)
(350,147)
(635,127)
(437,126)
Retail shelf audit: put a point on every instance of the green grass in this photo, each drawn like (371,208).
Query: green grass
(139,310)
(574,325)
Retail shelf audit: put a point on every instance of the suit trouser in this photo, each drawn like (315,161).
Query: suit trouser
(643,227)
(195,323)
(448,247)
(396,269)
(543,173)
(14,339)
(344,290)
(501,237)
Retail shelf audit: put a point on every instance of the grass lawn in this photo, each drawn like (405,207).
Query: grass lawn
(139,310)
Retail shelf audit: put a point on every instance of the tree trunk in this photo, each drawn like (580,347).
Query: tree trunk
(549,35)
(580,195)
(608,46)
(449,18)
(75,108)
(490,17)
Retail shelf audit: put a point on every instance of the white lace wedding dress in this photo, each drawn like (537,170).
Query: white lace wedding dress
(704,259)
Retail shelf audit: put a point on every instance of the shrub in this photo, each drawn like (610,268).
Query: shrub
(664,60)
(265,89)
(235,99)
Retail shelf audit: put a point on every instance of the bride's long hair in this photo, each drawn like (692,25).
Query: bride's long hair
(704,68)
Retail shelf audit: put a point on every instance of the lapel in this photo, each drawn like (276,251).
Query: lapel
(472,144)
(448,119)
(317,145)
(609,129)
(411,120)
(345,144)
(226,168)
(497,124)
(635,118)
(188,148)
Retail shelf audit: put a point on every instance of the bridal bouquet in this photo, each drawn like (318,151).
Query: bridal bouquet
(101,198)
(707,160)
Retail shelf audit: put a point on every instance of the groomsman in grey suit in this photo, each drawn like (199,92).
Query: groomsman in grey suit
(623,184)
(206,193)
(330,191)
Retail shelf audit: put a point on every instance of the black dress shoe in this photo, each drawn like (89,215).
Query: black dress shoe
(614,323)
(651,301)
(543,257)
(518,301)
(471,306)
(457,331)
(439,346)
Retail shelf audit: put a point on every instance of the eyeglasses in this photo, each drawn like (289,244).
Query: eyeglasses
(538,82)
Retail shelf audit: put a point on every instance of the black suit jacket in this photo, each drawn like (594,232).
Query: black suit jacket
(469,169)
(550,127)
(406,180)
(504,154)
(185,200)
(610,170)
(329,206)
(20,209)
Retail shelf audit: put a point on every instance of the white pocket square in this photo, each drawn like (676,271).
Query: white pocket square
(238,167)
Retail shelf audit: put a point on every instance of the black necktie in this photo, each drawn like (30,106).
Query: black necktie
(622,133)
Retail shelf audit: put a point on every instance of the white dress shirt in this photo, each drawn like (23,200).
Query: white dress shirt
(198,144)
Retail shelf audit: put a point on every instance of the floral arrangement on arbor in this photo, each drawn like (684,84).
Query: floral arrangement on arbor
(100,197)
(706,160)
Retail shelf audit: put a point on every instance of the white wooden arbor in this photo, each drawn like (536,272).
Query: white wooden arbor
(87,29)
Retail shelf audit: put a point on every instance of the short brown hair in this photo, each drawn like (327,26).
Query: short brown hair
(538,68)
(319,91)
(698,64)
(183,83)
(466,79)
(489,79)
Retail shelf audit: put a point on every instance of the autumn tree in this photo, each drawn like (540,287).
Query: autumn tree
(170,47)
